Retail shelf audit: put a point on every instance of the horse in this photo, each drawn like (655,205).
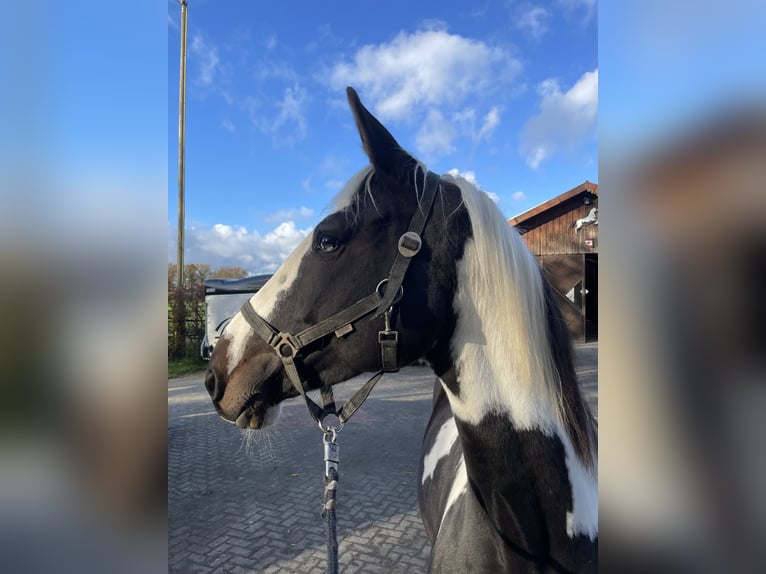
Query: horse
(590,219)
(507,479)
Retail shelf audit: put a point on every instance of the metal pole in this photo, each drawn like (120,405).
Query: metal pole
(180,300)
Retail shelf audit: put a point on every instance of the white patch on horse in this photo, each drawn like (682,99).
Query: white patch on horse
(238,331)
(584,515)
(459,487)
(270,294)
(445,439)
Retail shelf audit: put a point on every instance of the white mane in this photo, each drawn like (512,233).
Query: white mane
(502,322)
(348,196)
(345,197)
(503,357)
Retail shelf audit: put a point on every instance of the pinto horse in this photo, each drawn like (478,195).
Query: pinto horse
(508,474)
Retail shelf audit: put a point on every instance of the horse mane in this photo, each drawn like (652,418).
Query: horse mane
(528,353)
(351,198)
(358,190)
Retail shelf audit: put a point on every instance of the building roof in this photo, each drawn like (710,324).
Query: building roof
(584,188)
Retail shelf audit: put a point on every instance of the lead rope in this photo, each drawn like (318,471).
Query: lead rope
(331,459)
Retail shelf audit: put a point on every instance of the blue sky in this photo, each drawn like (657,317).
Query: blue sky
(669,65)
(504,92)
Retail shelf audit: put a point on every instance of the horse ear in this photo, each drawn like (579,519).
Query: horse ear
(384,151)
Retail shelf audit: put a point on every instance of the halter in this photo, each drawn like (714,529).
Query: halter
(387,294)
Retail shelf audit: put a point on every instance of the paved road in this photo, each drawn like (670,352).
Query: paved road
(247,502)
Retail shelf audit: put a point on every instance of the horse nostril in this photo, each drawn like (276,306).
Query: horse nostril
(210,381)
(213,386)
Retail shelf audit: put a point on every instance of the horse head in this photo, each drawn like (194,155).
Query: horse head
(345,259)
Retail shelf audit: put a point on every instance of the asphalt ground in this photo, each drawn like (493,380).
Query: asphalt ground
(250,501)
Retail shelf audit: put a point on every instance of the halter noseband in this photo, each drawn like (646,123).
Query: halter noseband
(387,294)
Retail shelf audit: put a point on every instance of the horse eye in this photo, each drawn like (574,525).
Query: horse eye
(327,243)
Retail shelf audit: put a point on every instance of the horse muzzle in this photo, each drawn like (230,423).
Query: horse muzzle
(244,395)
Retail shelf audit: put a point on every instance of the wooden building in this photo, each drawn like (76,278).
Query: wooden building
(563,234)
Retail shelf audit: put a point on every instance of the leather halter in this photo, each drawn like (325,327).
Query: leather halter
(387,294)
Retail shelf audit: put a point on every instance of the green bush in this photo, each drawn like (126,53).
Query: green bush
(190,363)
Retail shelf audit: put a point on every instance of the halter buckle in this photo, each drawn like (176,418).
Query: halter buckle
(410,244)
(389,342)
(388,337)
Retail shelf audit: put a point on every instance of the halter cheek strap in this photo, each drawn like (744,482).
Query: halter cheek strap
(387,294)
(288,348)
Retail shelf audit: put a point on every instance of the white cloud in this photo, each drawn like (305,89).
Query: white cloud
(291,118)
(493,196)
(491,121)
(306,184)
(435,135)
(222,245)
(466,175)
(471,178)
(464,121)
(228,125)
(207,59)
(532,19)
(585,8)
(424,69)
(288,125)
(519,196)
(271,70)
(325,39)
(565,121)
(290,214)
(429,73)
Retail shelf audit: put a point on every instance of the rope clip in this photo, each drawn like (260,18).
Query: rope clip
(331,450)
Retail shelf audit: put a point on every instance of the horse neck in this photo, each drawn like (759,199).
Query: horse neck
(530,479)
(504,386)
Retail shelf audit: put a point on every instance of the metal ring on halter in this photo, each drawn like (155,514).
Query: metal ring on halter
(380,293)
(329,429)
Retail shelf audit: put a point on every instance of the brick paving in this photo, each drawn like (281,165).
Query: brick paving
(249,502)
